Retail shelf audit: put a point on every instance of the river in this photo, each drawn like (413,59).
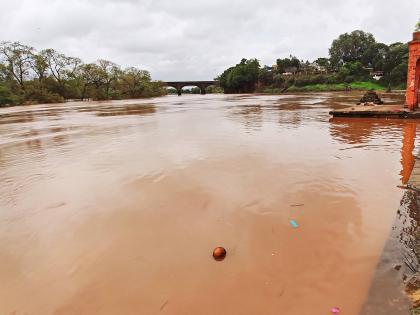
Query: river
(116,207)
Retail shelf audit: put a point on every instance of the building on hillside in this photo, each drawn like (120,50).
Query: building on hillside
(377,75)
(291,70)
(314,67)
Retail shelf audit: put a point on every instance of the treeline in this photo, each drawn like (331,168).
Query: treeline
(353,57)
(29,76)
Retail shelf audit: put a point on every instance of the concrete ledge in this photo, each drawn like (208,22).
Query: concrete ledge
(376,111)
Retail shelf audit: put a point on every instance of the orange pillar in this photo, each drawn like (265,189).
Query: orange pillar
(413,75)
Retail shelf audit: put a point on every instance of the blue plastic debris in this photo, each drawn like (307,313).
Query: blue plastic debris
(294,224)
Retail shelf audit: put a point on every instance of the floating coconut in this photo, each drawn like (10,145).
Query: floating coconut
(219,253)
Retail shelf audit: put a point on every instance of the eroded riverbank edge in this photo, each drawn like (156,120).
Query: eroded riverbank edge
(395,288)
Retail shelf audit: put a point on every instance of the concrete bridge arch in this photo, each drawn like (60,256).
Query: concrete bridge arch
(202,85)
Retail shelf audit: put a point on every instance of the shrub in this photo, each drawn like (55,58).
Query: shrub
(7,97)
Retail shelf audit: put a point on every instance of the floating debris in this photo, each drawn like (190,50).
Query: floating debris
(335,310)
(219,253)
(297,205)
(294,224)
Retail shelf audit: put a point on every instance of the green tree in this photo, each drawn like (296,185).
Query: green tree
(18,60)
(351,48)
(61,67)
(110,73)
(291,63)
(241,78)
(324,62)
(135,82)
(93,81)
(265,77)
(375,56)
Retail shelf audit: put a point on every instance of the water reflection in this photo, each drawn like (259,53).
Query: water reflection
(120,110)
(250,116)
(351,131)
(14,118)
(364,132)
(407,157)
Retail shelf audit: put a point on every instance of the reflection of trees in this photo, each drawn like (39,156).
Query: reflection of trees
(351,131)
(12,118)
(290,118)
(251,116)
(360,131)
(118,110)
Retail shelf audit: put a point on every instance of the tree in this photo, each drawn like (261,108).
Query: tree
(18,61)
(60,66)
(265,77)
(134,82)
(291,63)
(110,73)
(375,56)
(40,66)
(417,28)
(323,62)
(50,76)
(397,53)
(92,80)
(350,48)
(241,78)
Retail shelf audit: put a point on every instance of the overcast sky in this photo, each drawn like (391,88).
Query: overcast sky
(197,39)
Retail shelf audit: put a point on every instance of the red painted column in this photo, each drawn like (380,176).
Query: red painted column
(413,75)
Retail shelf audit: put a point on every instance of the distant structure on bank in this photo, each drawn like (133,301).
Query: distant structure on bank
(202,85)
(371,97)
(413,75)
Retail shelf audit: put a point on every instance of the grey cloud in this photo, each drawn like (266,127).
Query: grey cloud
(180,39)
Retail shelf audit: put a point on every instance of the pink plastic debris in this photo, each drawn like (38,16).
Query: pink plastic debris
(335,310)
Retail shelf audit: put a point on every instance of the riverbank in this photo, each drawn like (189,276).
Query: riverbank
(339,87)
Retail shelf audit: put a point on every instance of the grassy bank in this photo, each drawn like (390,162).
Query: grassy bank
(362,86)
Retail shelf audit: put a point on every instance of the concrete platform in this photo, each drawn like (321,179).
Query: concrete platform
(376,111)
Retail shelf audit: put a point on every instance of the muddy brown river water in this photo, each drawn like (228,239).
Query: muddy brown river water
(116,207)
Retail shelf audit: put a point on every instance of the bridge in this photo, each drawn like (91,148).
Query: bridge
(202,85)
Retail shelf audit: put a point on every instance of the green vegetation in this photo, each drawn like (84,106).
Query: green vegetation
(241,78)
(28,76)
(337,87)
(356,61)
